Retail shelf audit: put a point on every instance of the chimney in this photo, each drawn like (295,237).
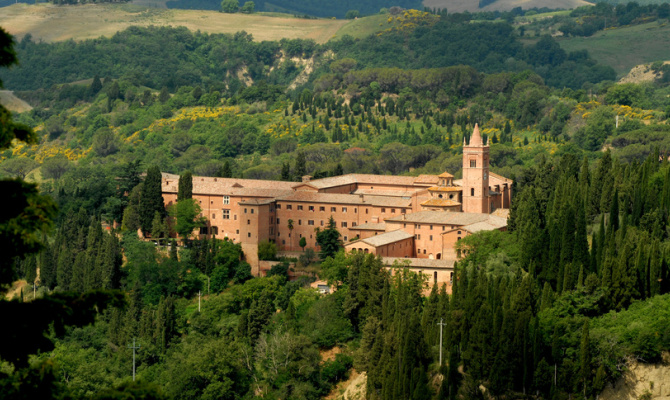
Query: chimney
(362,198)
(306,178)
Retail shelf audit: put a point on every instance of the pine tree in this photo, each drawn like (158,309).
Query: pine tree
(300,168)
(614,216)
(585,359)
(226,171)
(185,190)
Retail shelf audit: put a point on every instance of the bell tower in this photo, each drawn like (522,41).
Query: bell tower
(476,197)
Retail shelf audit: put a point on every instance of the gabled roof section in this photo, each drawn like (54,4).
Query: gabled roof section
(336,198)
(387,238)
(369,227)
(225,186)
(440,203)
(439,217)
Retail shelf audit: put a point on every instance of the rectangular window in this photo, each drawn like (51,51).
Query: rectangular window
(277,221)
(245,210)
(346,238)
(344,224)
(299,222)
(299,207)
(321,222)
(431,237)
(310,222)
(344,209)
(322,208)
(248,222)
(418,251)
(419,237)
(226,200)
(215,230)
(252,210)
(248,234)
(393,211)
(333,209)
(278,206)
(383,210)
(473,163)
(213,216)
(472,191)
(226,214)
(289,206)
(311,208)
(353,224)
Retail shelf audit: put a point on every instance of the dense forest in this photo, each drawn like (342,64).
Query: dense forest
(557,307)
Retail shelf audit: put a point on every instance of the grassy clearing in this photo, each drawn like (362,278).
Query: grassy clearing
(366,26)
(56,23)
(13,103)
(624,48)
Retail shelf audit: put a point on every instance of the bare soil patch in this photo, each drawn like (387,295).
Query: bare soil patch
(13,103)
(502,5)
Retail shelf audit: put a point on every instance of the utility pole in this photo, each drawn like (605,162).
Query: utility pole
(134,347)
(441,324)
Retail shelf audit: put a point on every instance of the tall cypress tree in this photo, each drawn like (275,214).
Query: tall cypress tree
(152,199)
(185,190)
(614,216)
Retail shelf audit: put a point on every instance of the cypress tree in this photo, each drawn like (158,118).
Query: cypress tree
(655,270)
(581,249)
(151,200)
(185,190)
(300,166)
(585,358)
(614,216)
(226,172)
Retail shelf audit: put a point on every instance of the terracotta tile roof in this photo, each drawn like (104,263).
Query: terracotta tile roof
(391,193)
(369,227)
(440,203)
(445,175)
(490,224)
(256,202)
(335,198)
(432,179)
(501,212)
(445,189)
(210,185)
(420,262)
(440,217)
(387,238)
(495,179)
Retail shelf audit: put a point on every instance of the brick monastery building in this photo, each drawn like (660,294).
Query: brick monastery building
(397,217)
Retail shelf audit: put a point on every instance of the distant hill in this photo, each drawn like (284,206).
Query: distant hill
(502,5)
(621,48)
(52,23)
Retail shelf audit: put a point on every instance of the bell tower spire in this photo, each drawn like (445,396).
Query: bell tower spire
(476,196)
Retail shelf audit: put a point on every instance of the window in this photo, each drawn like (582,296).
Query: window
(299,222)
(245,210)
(226,214)
(333,209)
(237,232)
(278,206)
(289,206)
(310,222)
(444,227)
(424,251)
(383,210)
(418,251)
(277,221)
(431,227)
(321,222)
(252,210)
(472,191)
(366,210)
(419,237)
(473,163)
(393,211)
(459,232)
(283,242)
(355,210)
(226,199)
(215,230)
(235,217)
(345,238)
(299,207)
(248,234)
(248,222)
(213,216)
(322,208)
(431,237)
(311,208)
(344,209)
(344,224)
(353,224)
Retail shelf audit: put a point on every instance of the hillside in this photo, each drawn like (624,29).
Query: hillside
(53,23)
(620,48)
(501,5)
(13,103)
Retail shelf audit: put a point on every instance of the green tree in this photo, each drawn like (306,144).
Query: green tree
(230,6)
(300,168)
(267,250)
(151,200)
(187,215)
(329,240)
(302,243)
(248,7)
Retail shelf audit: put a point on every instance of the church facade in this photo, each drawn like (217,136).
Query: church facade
(418,219)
